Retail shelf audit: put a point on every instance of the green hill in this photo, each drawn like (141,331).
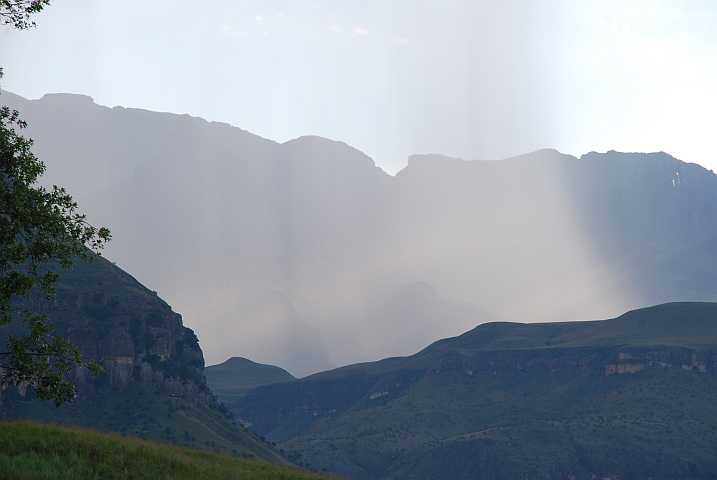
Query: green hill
(230,380)
(32,451)
(153,386)
(631,397)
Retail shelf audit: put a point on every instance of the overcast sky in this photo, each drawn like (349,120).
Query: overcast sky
(392,78)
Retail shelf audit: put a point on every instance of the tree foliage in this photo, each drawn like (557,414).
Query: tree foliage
(38,227)
(17,12)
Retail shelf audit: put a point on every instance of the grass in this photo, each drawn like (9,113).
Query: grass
(30,450)
(140,412)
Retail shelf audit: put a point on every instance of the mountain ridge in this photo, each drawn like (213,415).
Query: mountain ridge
(501,400)
(307,233)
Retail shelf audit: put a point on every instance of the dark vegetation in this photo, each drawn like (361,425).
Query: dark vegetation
(515,401)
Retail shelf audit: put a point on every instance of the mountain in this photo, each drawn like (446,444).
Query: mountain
(153,384)
(230,380)
(631,397)
(295,254)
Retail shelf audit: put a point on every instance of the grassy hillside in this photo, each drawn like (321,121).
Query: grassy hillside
(230,380)
(141,412)
(658,423)
(32,451)
(632,397)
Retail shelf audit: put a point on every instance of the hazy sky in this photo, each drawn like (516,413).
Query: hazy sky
(469,79)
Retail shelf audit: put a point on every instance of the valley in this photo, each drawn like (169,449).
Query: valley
(319,258)
(408,240)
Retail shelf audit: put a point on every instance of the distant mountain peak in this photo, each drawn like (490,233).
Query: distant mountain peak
(66,98)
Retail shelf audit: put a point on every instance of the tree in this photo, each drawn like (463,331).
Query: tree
(38,228)
(17,12)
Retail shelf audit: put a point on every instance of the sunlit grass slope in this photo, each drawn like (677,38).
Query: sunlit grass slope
(33,451)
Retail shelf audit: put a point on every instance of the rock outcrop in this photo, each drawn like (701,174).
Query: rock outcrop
(618,360)
(116,321)
(632,360)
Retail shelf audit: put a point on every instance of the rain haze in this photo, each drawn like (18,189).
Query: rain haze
(300,252)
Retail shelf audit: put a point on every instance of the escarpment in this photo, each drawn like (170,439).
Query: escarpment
(134,334)
(677,336)
(330,394)
(616,360)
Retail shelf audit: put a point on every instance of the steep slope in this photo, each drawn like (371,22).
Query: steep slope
(153,384)
(294,251)
(230,380)
(633,397)
(111,316)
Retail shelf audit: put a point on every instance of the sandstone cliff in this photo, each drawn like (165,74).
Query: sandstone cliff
(114,319)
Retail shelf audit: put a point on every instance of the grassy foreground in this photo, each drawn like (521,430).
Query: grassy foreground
(32,451)
(140,412)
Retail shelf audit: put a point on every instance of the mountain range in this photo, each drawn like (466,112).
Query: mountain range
(305,255)
(631,397)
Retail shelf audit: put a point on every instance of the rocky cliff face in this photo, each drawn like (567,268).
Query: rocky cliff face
(617,360)
(114,319)
(632,360)
(317,398)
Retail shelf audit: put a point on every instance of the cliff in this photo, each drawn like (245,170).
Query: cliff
(137,337)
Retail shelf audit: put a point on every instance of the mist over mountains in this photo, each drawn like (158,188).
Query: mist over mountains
(306,255)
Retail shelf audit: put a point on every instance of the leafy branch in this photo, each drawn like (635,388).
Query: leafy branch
(17,12)
(37,226)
